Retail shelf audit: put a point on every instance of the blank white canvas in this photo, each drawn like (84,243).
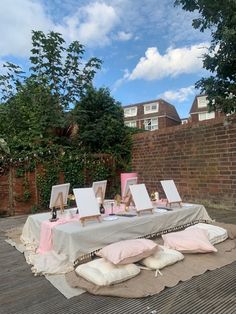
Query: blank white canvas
(86,202)
(140,197)
(56,189)
(128,182)
(171,191)
(100,184)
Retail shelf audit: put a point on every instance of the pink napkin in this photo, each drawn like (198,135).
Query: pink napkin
(45,242)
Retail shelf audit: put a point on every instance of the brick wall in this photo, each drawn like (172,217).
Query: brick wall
(13,197)
(12,193)
(166,122)
(199,157)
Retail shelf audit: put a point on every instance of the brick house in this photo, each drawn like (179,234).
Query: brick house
(151,115)
(199,110)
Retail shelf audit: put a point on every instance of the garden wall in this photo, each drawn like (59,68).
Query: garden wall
(199,157)
(25,189)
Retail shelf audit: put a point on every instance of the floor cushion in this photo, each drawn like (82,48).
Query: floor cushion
(194,240)
(162,258)
(128,251)
(103,273)
(215,234)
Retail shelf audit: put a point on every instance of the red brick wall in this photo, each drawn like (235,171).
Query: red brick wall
(199,157)
(12,193)
(13,188)
(165,122)
(5,197)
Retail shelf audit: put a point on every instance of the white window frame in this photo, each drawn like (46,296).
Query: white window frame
(150,125)
(130,112)
(202,102)
(149,108)
(206,115)
(131,124)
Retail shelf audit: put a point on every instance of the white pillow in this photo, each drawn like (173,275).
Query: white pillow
(162,258)
(103,273)
(215,234)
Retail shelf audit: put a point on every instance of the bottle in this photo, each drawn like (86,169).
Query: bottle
(54,213)
(102,209)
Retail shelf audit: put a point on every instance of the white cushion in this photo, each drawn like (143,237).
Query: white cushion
(215,234)
(103,273)
(162,258)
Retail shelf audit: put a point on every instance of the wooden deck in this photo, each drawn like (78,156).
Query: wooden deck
(22,293)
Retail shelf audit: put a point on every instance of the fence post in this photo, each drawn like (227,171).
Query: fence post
(10,189)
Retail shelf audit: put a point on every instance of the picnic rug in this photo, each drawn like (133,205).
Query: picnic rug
(146,284)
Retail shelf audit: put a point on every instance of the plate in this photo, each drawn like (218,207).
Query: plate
(110,218)
(160,210)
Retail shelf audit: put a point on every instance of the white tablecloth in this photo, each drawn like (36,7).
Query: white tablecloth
(73,240)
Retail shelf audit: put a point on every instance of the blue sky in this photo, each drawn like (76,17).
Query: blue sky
(148,47)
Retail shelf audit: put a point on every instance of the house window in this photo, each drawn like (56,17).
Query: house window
(130,112)
(202,102)
(131,124)
(206,115)
(150,108)
(151,124)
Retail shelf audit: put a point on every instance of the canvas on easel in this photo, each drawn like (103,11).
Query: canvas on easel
(171,192)
(59,195)
(99,188)
(141,198)
(87,204)
(126,197)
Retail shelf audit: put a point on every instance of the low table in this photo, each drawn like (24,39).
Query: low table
(75,241)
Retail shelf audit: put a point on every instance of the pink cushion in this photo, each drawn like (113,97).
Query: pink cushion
(189,241)
(128,251)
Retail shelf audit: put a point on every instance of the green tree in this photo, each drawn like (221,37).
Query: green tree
(220,17)
(101,124)
(34,106)
(29,118)
(60,68)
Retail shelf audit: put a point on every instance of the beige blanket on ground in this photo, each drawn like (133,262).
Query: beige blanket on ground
(146,284)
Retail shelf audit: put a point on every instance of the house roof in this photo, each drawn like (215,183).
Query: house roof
(165,108)
(194,108)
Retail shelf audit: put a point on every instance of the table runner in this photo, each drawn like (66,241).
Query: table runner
(45,242)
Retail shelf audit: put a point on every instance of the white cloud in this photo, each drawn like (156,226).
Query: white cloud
(91,24)
(120,81)
(174,62)
(17,19)
(179,95)
(123,36)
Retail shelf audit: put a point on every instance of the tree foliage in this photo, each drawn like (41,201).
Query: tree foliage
(56,99)
(220,17)
(101,124)
(36,105)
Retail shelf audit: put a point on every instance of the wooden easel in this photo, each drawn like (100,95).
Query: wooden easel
(95,217)
(99,193)
(127,200)
(59,200)
(144,210)
(170,203)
